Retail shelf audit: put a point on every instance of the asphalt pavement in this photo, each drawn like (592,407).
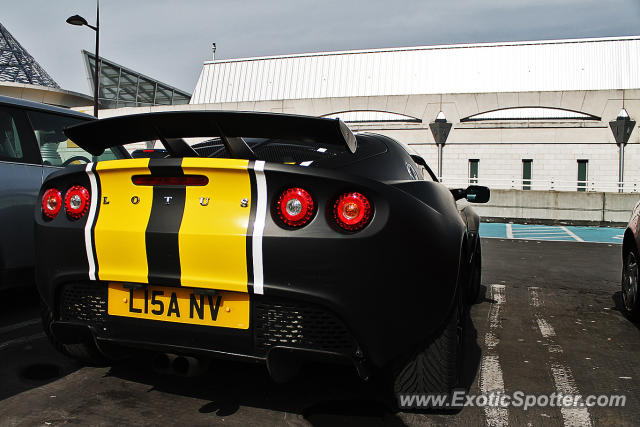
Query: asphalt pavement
(549,321)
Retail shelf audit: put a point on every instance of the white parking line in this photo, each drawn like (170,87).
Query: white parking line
(561,374)
(547,239)
(565,384)
(541,235)
(546,329)
(491,378)
(21,340)
(572,234)
(509,228)
(538,232)
(538,227)
(497,294)
(20,325)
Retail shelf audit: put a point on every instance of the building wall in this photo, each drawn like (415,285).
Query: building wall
(46,95)
(554,146)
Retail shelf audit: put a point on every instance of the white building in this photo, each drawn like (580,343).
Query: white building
(536,110)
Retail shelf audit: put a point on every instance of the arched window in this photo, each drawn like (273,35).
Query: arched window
(530,113)
(372,116)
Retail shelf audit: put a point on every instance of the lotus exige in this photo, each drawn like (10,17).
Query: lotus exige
(265,237)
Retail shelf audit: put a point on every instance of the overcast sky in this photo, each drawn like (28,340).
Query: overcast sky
(169,40)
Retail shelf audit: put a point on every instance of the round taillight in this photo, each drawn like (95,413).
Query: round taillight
(76,201)
(51,203)
(352,211)
(295,207)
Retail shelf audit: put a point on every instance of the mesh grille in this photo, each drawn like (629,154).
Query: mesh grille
(299,325)
(85,302)
(285,153)
(211,150)
(269,151)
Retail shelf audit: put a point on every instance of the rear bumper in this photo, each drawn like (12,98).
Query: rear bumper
(275,323)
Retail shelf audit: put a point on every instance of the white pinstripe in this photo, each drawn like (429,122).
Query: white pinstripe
(258,227)
(88,238)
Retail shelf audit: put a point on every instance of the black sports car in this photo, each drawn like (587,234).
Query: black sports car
(278,238)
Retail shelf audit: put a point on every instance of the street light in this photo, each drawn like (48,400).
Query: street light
(440,130)
(80,21)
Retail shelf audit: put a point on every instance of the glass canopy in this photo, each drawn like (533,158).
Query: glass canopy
(122,87)
(17,66)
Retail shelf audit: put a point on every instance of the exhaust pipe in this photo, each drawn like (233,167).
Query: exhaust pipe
(185,366)
(162,362)
(188,366)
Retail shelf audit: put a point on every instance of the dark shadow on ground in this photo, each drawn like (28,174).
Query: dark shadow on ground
(618,305)
(324,394)
(27,359)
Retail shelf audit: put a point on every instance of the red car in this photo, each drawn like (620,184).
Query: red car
(630,259)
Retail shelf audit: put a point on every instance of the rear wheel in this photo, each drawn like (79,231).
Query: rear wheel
(630,285)
(434,368)
(85,352)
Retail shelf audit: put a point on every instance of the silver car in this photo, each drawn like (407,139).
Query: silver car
(32,145)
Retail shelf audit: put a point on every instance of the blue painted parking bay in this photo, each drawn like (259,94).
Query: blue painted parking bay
(552,232)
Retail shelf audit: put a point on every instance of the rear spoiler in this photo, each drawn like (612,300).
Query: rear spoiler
(171,126)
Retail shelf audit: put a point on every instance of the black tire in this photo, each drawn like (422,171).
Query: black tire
(436,367)
(475,276)
(630,277)
(86,352)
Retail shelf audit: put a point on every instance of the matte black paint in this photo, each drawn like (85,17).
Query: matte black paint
(96,136)
(59,243)
(392,284)
(163,253)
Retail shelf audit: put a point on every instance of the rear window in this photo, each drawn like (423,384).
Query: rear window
(302,153)
(56,149)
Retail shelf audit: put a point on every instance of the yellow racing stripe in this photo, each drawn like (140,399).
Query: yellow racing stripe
(121,223)
(213,233)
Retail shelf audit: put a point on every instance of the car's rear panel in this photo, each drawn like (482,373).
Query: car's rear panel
(223,274)
(192,235)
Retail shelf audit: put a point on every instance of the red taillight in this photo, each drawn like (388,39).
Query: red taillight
(51,203)
(352,211)
(295,207)
(76,201)
(196,180)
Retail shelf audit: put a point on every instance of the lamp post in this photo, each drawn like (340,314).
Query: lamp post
(621,128)
(440,130)
(79,20)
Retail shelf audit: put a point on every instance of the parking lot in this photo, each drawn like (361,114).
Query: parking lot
(559,233)
(550,321)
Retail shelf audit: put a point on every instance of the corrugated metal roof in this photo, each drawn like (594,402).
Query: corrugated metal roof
(578,64)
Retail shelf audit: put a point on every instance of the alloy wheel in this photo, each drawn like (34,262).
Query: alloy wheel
(630,281)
